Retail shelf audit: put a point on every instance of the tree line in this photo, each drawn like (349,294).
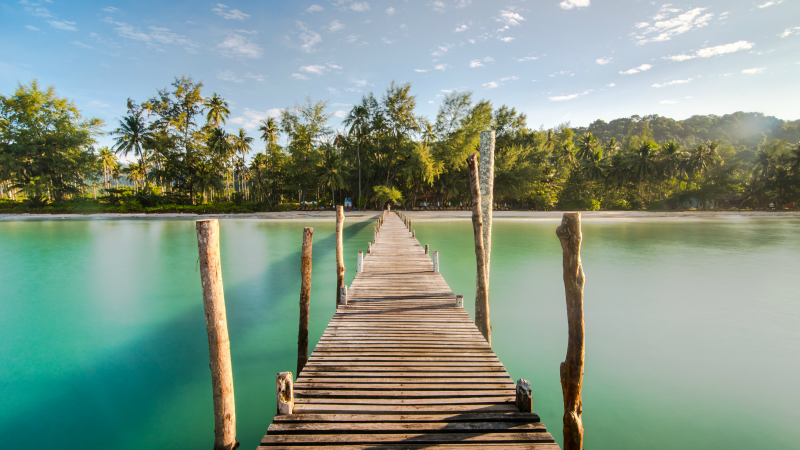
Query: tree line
(173,148)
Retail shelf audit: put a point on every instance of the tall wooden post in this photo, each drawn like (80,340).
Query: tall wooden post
(305,299)
(219,347)
(339,250)
(569,233)
(487,194)
(284,393)
(481,291)
(426,249)
(435,259)
(360,262)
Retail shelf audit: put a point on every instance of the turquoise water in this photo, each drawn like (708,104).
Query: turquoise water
(692,327)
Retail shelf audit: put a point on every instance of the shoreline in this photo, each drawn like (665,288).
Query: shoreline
(424,216)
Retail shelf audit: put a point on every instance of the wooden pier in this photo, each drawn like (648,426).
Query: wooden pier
(400,366)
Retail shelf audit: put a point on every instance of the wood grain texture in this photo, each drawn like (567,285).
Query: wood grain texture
(339,250)
(481,288)
(219,346)
(305,298)
(400,367)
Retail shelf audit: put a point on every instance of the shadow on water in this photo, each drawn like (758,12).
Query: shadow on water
(102,406)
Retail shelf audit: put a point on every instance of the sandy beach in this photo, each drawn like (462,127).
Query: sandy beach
(424,216)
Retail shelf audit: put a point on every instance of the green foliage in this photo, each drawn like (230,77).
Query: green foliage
(385,194)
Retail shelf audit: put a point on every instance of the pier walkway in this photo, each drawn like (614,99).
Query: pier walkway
(401,367)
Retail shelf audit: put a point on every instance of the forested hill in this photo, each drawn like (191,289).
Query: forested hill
(744,130)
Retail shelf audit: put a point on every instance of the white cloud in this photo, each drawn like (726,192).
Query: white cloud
(507,39)
(250,118)
(569,4)
(641,68)
(228,75)
(475,63)
(488,59)
(255,77)
(81,44)
(333,91)
(314,8)
(247,31)
(441,50)
(315,69)
(227,13)
(509,17)
(299,76)
(770,3)
(790,31)
(239,46)
(461,28)
(387,40)
(500,82)
(713,51)
(335,26)
(668,102)
(420,70)
(438,6)
(360,7)
(109,9)
(31,27)
(754,70)
(611,85)
(155,37)
(666,29)
(309,38)
(603,61)
(642,24)
(527,58)
(441,67)
(490,85)
(562,98)
(99,104)
(673,82)
(340,113)
(390,10)
(350,39)
(63,25)
(511,78)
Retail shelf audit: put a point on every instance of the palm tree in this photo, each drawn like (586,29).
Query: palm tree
(219,144)
(358,121)
(565,155)
(217,109)
(617,169)
(587,145)
(332,172)
(269,131)
(242,145)
(108,160)
(672,160)
(703,157)
(794,158)
(642,162)
(611,147)
(131,136)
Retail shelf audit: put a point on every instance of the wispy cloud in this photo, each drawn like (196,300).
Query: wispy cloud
(665,30)
(387,40)
(563,98)
(227,13)
(641,68)
(236,45)
(506,39)
(441,50)
(250,118)
(335,26)
(314,8)
(673,82)
(569,4)
(500,82)
(390,10)
(441,67)
(527,58)
(82,45)
(790,31)
(509,17)
(603,61)
(611,85)
(713,51)
(460,28)
(154,38)
(360,7)
(63,25)
(99,104)
(109,9)
(475,63)
(310,38)
(420,70)
(754,70)
(770,3)
(318,69)
(31,27)
(438,6)
(228,75)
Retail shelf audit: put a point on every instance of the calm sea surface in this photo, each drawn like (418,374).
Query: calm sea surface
(692,327)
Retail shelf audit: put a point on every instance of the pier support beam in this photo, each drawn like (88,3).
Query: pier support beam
(426,249)
(305,299)
(284,391)
(481,291)
(360,263)
(524,398)
(343,296)
(219,346)
(487,194)
(435,259)
(339,249)
(459,301)
(569,233)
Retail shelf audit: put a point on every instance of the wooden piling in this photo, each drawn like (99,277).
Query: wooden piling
(413,234)
(524,397)
(569,233)
(360,263)
(426,249)
(342,296)
(487,194)
(219,347)
(284,391)
(305,299)
(459,301)
(339,249)
(435,259)
(481,291)
(374,235)
(369,247)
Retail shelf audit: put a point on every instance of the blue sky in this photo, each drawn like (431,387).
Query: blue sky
(570,60)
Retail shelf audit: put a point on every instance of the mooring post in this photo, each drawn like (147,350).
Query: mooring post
(569,233)
(481,291)
(339,248)
(342,296)
(413,234)
(369,247)
(426,249)
(360,265)
(374,235)
(435,261)
(219,346)
(305,299)
(487,194)
(524,398)
(284,393)
(459,301)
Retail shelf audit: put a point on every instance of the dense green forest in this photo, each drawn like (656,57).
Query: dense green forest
(172,152)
